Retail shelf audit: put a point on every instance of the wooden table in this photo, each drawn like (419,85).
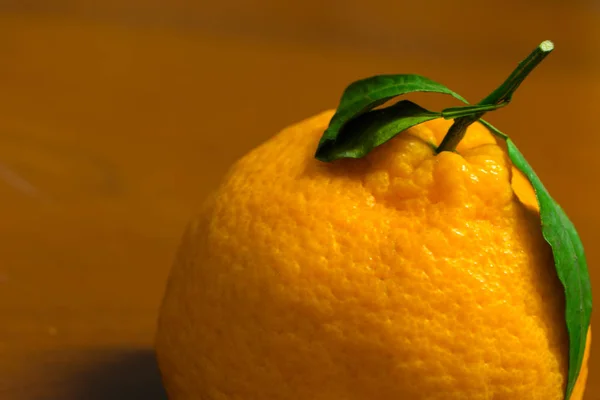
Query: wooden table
(117,119)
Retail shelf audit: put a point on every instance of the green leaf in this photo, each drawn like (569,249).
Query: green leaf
(494,130)
(362,134)
(570,261)
(467,111)
(366,94)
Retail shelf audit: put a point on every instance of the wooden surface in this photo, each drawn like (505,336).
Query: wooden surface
(117,118)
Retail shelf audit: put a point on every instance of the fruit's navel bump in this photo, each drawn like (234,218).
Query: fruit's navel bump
(449,175)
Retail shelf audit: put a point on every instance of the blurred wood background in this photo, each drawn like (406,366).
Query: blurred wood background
(117,118)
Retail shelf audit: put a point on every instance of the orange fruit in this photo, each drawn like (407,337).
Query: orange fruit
(401,275)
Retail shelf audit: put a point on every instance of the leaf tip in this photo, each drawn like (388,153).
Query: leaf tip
(323,152)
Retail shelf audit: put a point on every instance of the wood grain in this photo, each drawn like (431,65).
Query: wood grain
(116,119)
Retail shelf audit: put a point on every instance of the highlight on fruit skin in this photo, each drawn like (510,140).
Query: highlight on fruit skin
(405,272)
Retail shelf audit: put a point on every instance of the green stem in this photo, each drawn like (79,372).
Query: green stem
(503,94)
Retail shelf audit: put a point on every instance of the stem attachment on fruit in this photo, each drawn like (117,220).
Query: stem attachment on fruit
(503,94)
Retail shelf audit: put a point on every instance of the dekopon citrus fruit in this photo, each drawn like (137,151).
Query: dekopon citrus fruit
(405,274)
